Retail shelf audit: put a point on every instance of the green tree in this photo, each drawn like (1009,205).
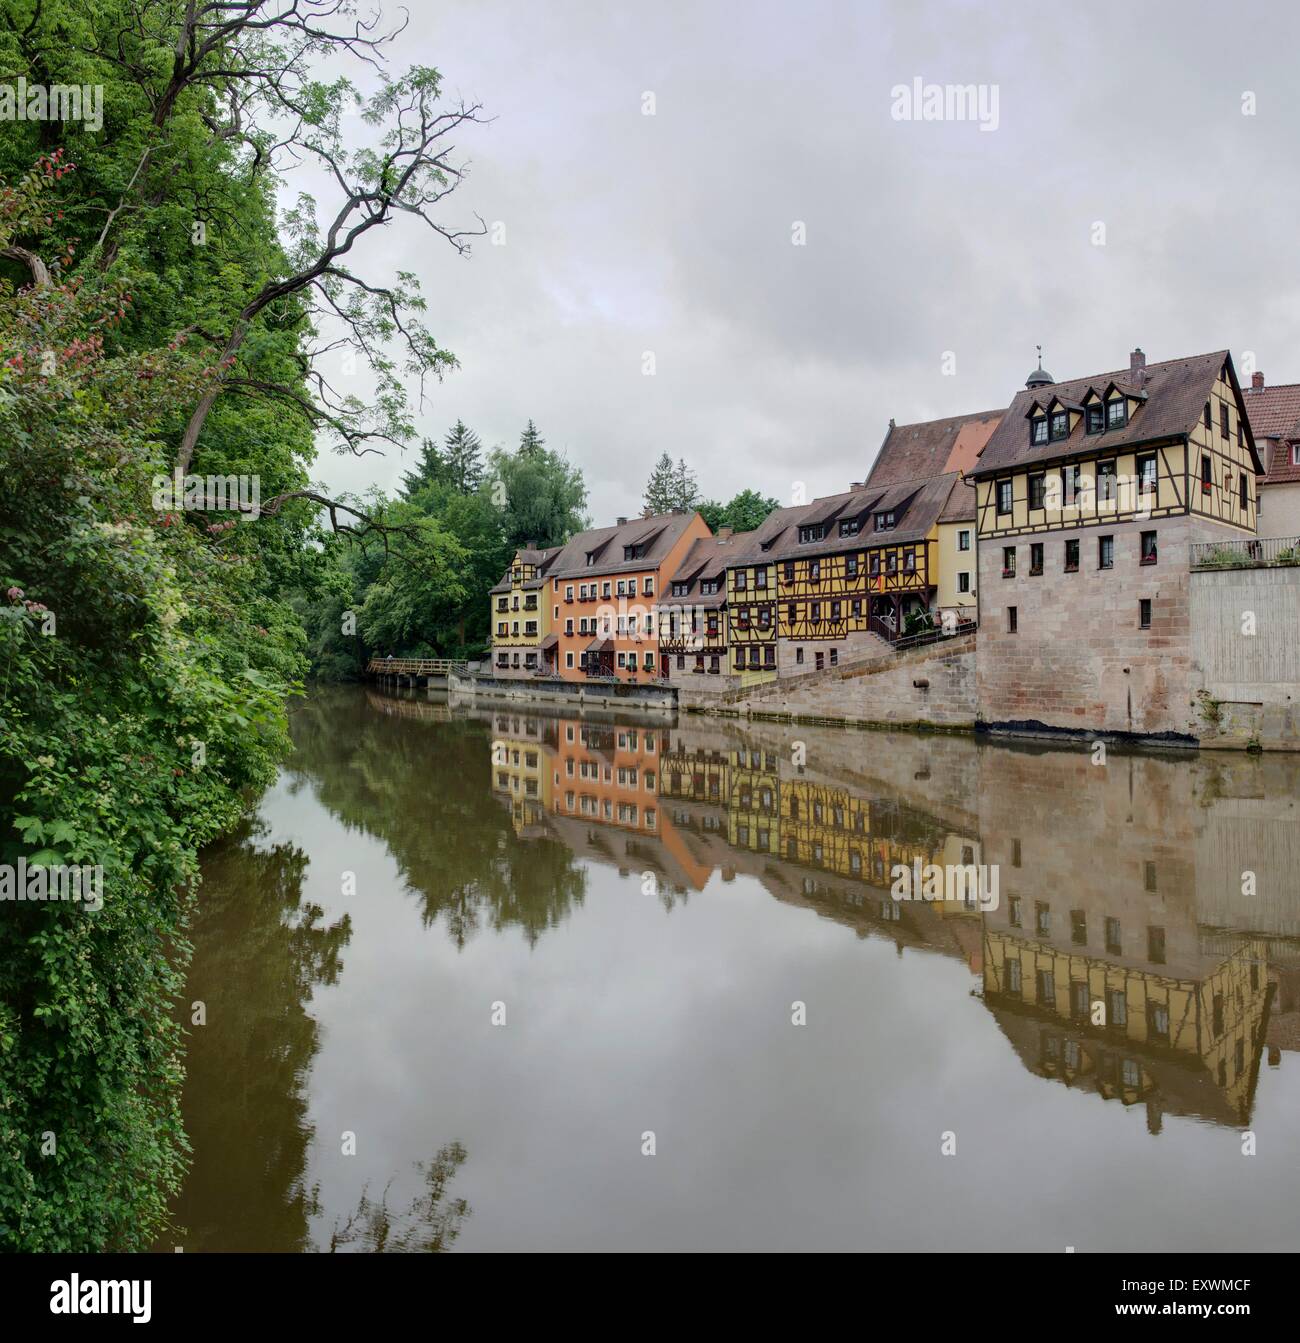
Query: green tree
(743,513)
(541,497)
(531,443)
(661,488)
(686,493)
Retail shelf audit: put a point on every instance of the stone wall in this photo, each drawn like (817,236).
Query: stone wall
(1079,658)
(932,686)
(1245,657)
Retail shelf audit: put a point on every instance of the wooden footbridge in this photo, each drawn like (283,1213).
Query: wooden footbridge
(415,671)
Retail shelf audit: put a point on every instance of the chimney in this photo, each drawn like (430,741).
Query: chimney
(857,484)
(1137,367)
(1257,382)
(530,545)
(724,532)
(622,522)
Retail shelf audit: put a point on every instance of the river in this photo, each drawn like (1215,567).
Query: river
(488,979)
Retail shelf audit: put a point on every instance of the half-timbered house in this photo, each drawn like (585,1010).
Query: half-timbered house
(520,613)
(1089,495)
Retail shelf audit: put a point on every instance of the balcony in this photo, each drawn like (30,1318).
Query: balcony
(1267,552)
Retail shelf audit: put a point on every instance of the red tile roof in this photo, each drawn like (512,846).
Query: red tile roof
(932,447)
(1274,414)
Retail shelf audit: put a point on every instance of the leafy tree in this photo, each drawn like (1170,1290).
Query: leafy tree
(743,513)
(542,498)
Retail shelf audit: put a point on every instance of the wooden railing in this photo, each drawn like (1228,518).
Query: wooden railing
(416,667)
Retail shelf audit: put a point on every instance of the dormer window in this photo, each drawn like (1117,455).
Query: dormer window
(814,533)
(1060,424)
(1116,413)
(1038,429)
(1094,419)
(850,526)
(633,552)
(885,521)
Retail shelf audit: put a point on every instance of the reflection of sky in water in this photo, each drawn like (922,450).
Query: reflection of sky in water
(628,1017)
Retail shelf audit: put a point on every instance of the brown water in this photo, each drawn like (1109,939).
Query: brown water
(647,903)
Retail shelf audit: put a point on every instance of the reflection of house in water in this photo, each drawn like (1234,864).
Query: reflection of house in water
(1096,963)
(1122,899)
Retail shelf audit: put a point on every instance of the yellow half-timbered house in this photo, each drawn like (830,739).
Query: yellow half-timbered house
(520,618)
(1089,496)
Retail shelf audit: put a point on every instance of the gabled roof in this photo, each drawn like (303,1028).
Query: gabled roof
(707,561)
(916,503)
(1175,395)
(1274,413)
(659,534)
(932,447)
(541,559)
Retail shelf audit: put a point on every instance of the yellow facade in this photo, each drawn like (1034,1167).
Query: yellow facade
(520,617)
(1203,476)
(957,556)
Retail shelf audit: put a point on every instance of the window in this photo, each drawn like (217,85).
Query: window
(648,661)
(1036,557)
(1105,552)
(1116,1007)
(568,659)
(1149,875)
(814,571)
(1008,561)
(1060,424)
(1116,413)
(1245,492)
(1144,613)
(1158,1020)
(1114,943)
(963,581)
(850,526)
(807,534)
(1207,474)
(798,655)
(1146,473)
(850,566)
(1004,496)
(1037,490)
(1218,1014)
(769,656)
(1225,421)
(1079,1003)
(1043,919)
(741,581)
(1013,911)
(760,580)
(1013,976)
(816,611)
(1079,927)
(835,656)
(1156,946)
(1295,454)
(821,659)
(1208,421)
(1038,429)
(1011,620)
(1069,486)
(789,571)
(1045,983)
(963,539)
(1072,557)
(1148,548)
(885,521)
(1096,420)
(1106,488)
(679,589)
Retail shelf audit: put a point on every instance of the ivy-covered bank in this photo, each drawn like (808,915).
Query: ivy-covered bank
(159,316)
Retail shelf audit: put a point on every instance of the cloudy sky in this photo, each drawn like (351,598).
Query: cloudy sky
(936,254)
